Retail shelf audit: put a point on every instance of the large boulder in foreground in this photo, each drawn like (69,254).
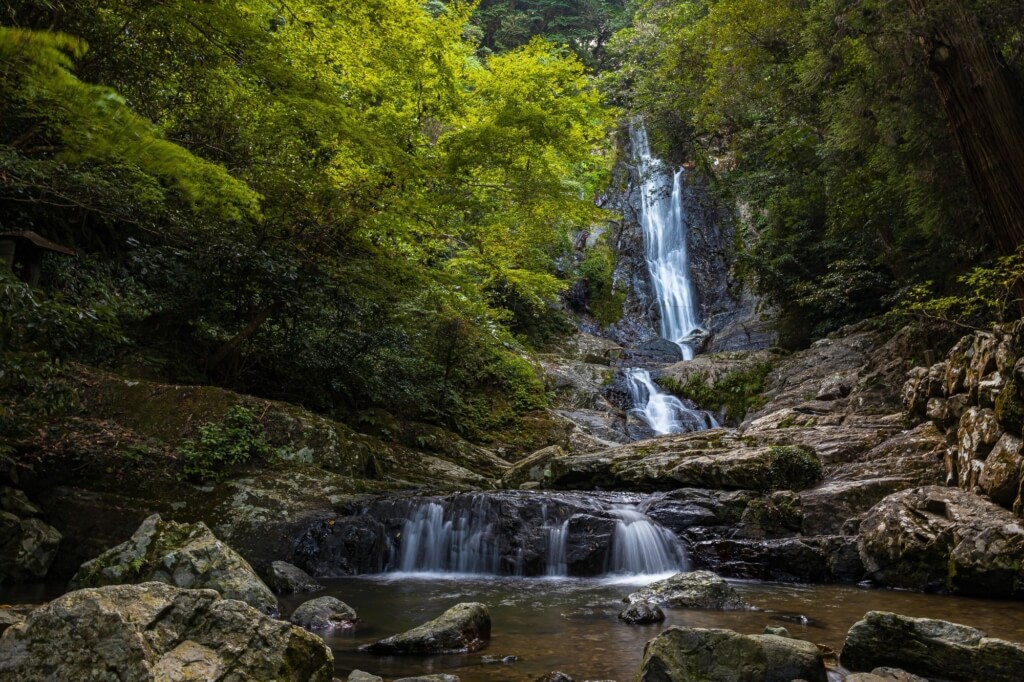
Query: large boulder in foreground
(946,539)
(711,655)
(461,629)
(931,648)
(180,554)
(155,631)
(693,590)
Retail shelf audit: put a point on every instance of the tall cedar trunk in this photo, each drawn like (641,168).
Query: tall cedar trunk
(985,112)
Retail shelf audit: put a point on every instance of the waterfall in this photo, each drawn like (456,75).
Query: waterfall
(518,533)
(664,226)
(661,410)
(643,547)
(432,543)
(558,538)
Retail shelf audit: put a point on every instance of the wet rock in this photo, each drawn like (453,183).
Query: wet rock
(930,648)
(776,630)
(693,590)
(430,678)
(555,676)
(28,547)
(361,676)
(799,559)
(945,539)
(283,578)
(158,631)
(461,629)
(683,654)
(324,613)
(590,538)
(180,554)
(642,613)
(332,546)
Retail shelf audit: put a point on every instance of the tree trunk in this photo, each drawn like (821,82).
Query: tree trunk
(985,113)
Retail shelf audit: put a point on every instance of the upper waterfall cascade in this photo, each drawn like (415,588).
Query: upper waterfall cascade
(663,220)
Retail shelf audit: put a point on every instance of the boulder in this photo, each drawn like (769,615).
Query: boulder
(12,615)
(930,648)
(691,654)
(156,631)
(442,677)
(823,558)
(693,590)
(1001,474)
(284,578)
(463,628)
(977,433)
(360,676)
(324,613)
(642,613)
(27,547)
(945,539)
(180,554)
(534,469)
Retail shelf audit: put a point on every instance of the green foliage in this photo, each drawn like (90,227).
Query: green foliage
(38,334)
(986,296)
(791,467)
(596,271)
(821,121)
(341,207)
(584,26)
(737,391)
(218,449)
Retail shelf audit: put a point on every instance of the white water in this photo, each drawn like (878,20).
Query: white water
(643,547)
(439,541)
(664,226)
(464,544)
(661,410)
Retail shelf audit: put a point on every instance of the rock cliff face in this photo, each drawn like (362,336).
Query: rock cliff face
(730,314)
(975,397)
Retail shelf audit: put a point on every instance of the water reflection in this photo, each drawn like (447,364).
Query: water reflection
(570,624)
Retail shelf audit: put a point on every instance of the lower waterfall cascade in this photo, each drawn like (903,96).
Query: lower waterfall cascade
(469,534)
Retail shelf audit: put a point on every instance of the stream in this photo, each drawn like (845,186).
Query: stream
(570,624)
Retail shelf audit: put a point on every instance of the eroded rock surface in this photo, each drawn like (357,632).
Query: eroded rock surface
(686,654)
(156,631)
(461,629)
(179,554)
(931,648)
(693,590)
(936,538)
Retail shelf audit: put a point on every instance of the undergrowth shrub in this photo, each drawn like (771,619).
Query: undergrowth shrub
(218,449)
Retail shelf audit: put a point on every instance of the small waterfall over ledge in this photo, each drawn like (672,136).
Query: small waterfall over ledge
(520,533)
(662,411)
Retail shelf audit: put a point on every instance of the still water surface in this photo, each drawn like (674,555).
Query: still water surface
(570,624)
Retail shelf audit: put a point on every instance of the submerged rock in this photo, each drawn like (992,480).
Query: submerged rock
(180,554)
(685,654)
(284,578)
(936,538)
(324,613)
(694,590)
(642,613)
(361,676)
(461,629)
(156,631)
(931,648)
